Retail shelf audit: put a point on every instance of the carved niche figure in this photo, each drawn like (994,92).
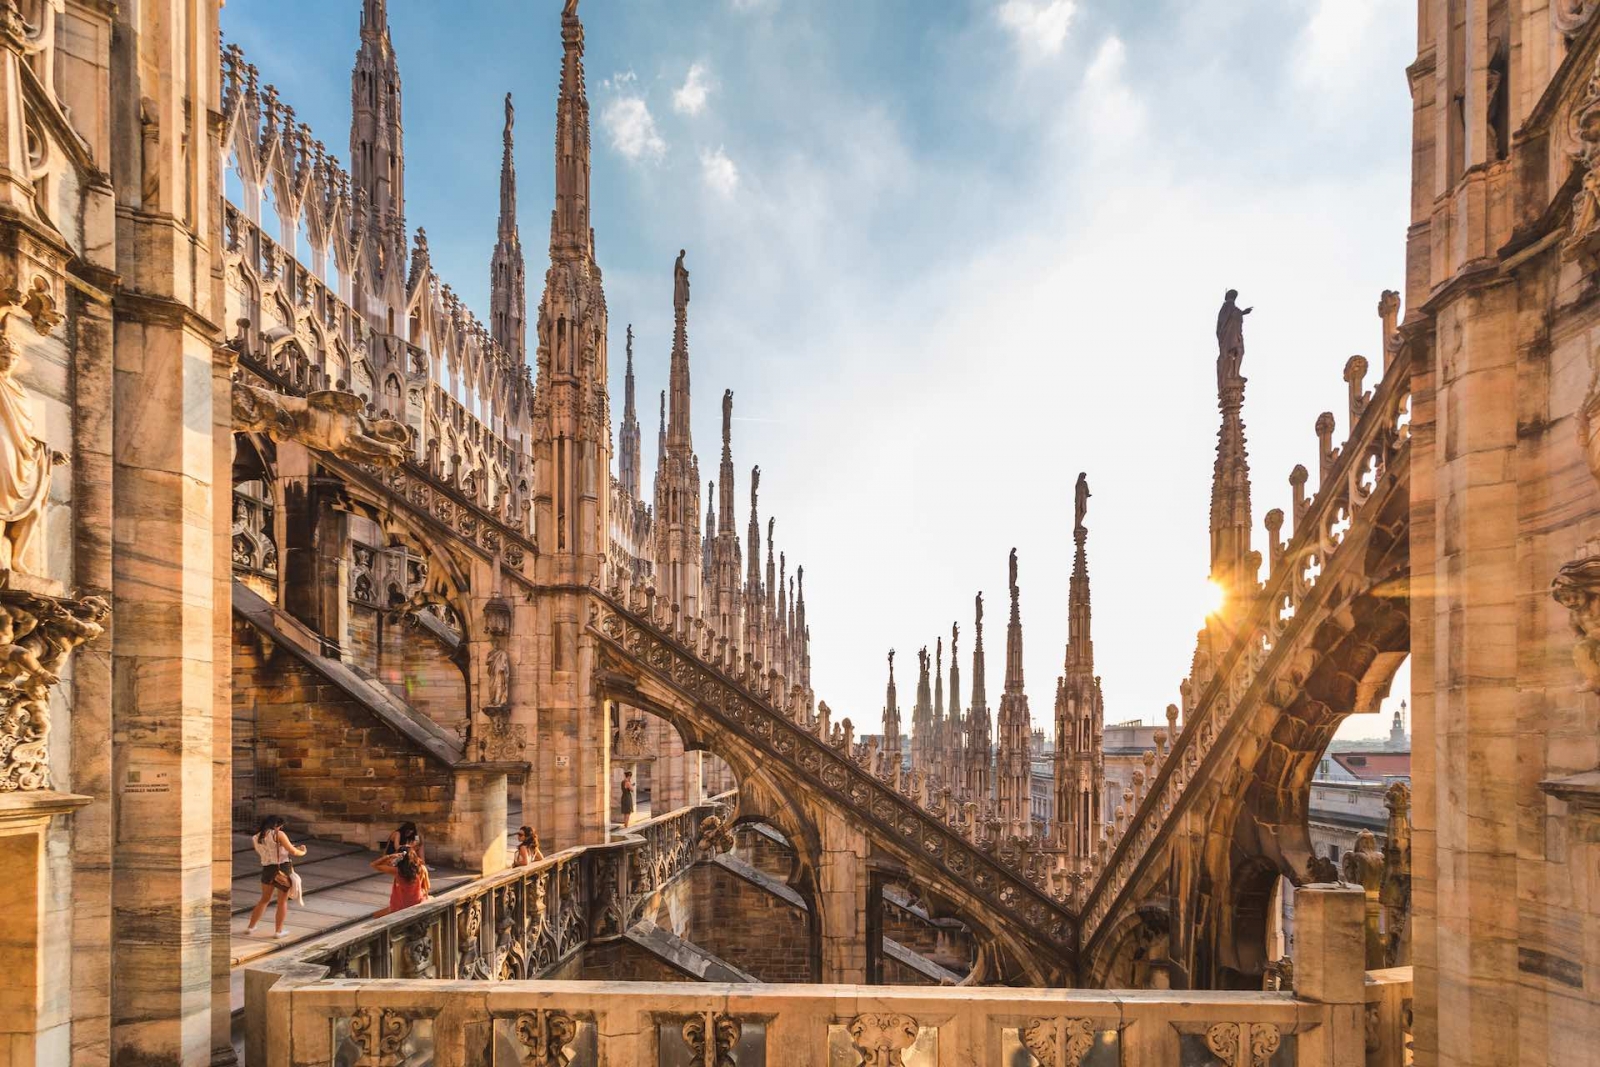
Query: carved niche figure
(1577,588)
(26,463)
(327,420)
(499,687)
(1230,338)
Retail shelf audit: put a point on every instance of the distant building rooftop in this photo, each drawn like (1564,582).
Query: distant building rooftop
(1374,765)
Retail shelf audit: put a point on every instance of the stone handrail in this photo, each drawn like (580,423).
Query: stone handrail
(732,700)
(646,1024)
(1276,623)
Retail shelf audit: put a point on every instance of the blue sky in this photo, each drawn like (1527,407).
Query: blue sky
(947,253)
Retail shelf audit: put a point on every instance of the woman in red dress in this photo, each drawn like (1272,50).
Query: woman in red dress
(410,879)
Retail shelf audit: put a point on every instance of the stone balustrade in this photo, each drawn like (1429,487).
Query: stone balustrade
(1337,1016)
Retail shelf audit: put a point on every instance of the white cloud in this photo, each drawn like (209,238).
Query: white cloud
(1333,45)
(720,174)
(1040,26)
(690,98)
(752,5)
(626,117)
(1109,106)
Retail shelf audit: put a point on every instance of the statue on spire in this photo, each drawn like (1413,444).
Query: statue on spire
(1080,502)
(571,10)
(978,611)
(1013,574)
(755,485)
(680,284)
(727,416)
(511,116)
(1230,338)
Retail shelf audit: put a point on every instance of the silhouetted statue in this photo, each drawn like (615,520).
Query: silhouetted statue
(1230,338)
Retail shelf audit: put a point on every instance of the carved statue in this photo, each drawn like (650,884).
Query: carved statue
(716,833)
(1363,864)
(1013,573)
(1230,338)
(680,283)
(978,610)
(499,678)
(511,118)
(1080,500)
(327,420)
(1589,424)
(1577,588)
(26,464)
(1583,240)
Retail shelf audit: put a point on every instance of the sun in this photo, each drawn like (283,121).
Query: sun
(1213,597)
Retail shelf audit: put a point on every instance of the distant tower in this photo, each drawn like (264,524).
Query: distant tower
(1234,565)
(980,753)
(936,736)
(628,456)
(922,718)
(891,719)
(572,498)
(1014,798)
(508,277)
(1080,714)
(677,490)
(378,159)
(754,605)
(954,727)
(1398,741)
(725,609)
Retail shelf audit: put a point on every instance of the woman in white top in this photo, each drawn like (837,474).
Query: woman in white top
(275,851)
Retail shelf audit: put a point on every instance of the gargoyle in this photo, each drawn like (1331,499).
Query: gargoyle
(328,420)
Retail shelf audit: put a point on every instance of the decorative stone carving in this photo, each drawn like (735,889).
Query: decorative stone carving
(328,420)
(416,953)
(1059,1042)
(882,1039)
(37,633)
(716,833)
(1577,588)
(545,1033)
(380,1036)
(1583,242)
(711,1037)
(1571,16)
(1225,1042)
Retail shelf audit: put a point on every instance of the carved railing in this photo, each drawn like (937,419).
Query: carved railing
(1282,616)
(523,922)
(762,711)
(712,1025)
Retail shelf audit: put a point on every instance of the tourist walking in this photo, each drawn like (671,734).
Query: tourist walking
(410,878)
(275,851)
(407,836)
(627,797)
(528,850)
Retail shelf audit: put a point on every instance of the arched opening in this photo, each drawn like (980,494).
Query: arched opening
(920,941)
